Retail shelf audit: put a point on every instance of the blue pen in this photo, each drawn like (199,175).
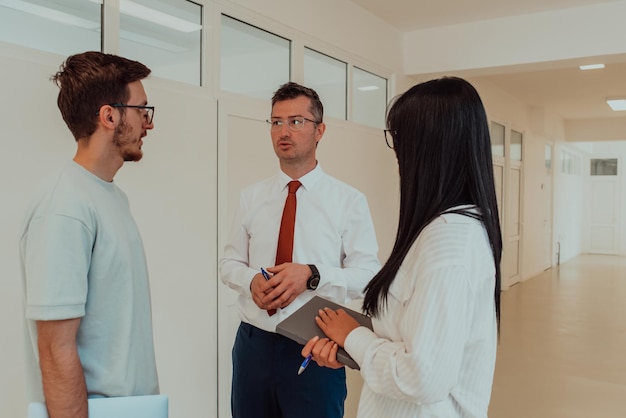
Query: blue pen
(267,277)
(305,363)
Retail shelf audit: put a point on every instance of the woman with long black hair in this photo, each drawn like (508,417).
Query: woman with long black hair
(435,304)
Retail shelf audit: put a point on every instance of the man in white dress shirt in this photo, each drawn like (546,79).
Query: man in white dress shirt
(334,256)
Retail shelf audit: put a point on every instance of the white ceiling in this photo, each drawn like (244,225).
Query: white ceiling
(419,14)
(558,86)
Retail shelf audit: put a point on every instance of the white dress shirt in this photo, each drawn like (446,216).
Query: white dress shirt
(434,347)
(333,230)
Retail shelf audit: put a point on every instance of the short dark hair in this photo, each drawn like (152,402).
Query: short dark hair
(293,90)
(89,80)
(442,143)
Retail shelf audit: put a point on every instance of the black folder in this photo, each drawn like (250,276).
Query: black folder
(301,327)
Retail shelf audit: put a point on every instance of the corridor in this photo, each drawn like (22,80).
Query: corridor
(562,350)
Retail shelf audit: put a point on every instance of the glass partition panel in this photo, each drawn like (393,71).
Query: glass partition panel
(497,139)
(164,35)
(63,27)
(516,145)
(603,167)
(253,62)
(328,77)
(568,165)
(369,98)
(548,157)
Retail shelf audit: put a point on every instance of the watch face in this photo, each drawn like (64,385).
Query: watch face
(313,282)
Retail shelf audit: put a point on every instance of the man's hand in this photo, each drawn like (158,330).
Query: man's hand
(287,282)
(62,373)
(260,287)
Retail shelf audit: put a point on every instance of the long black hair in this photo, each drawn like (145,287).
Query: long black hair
(442,143)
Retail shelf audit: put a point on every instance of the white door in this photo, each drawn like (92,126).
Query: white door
(498,179)
(604,215)
(244,156)
(547,220)
(513,228)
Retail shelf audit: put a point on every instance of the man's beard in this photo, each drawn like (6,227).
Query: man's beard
(123,141)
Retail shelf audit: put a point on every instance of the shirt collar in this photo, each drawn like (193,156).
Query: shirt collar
(308,180)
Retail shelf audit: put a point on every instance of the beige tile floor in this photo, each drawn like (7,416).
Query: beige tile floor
(562,351)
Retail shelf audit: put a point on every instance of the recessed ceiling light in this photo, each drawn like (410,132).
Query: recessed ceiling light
(591,67)
(617,104)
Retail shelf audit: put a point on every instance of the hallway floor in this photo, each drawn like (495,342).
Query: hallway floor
(562,351)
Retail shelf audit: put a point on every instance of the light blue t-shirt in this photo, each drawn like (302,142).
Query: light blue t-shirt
(82,256)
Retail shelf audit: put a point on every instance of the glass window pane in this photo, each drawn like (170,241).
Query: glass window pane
(566,162)
(369,98)
(548,157)
(253,62)
(328,77)
(604,167)
(64,27)
(164,35)
(516,145)
(497,139)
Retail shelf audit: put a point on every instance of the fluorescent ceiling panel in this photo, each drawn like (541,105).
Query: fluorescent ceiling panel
(591,67)
(617,104)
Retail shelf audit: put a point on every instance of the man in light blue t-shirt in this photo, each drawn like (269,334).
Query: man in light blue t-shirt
(87,296)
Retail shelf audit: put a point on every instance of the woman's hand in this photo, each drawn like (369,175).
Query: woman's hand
(323,351)
(336,324)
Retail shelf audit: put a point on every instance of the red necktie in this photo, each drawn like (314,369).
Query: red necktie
(284,251)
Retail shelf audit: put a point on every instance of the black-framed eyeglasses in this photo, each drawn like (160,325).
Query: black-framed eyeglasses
(147,111)
(293,123)
(389,134)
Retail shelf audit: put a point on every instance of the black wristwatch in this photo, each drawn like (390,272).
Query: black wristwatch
(314,280)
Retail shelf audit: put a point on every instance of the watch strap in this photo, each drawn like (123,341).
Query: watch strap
(314,280)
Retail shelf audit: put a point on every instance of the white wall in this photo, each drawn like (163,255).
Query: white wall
(28,147)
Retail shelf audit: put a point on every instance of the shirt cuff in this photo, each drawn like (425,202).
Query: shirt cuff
(357,342)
